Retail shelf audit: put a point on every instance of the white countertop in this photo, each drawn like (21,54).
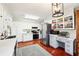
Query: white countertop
(61,38)
(7,47)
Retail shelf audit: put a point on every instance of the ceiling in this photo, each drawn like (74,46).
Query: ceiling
(18,10)
(43,10)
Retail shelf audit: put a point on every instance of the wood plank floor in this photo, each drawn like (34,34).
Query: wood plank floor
(51,50)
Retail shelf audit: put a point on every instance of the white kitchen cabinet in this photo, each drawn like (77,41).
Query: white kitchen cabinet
(40,36)
(53,41)
(61,39)
(69,43)
(19,38)
(27,36)
(69,48)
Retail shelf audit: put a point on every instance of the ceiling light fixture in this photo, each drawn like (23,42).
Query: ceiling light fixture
(57,9)
(28,16)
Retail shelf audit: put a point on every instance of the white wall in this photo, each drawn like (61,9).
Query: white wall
(1,22)
(6,20)
(26,25)
(21,25)
(68,10)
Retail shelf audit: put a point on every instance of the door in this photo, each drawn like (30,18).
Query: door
(77,32)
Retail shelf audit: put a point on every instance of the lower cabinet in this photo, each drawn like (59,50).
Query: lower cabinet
(27,37)
(53,42)
(69,47)
(19,38)
(68,43)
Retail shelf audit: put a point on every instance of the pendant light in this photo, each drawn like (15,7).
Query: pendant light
(57,9)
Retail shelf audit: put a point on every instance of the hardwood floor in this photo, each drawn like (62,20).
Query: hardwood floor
(51,50)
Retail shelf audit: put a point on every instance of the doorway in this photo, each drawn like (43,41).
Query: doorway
(77,31)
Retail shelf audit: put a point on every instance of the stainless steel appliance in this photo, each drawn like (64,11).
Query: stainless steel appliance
(46,31)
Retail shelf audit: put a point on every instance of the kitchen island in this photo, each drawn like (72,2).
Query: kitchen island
(7,47)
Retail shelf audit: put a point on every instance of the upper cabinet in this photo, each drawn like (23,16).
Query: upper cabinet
(63,23)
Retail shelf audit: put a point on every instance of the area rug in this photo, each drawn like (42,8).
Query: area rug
(32,50)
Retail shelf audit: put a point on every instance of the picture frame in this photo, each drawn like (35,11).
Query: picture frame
(60,23)
(68,22)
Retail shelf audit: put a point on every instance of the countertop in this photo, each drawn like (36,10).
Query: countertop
(7,47)
(69,38)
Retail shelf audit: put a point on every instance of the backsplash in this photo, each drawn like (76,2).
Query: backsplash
(71,32)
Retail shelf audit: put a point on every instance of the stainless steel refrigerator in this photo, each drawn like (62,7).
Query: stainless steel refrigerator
(46,31)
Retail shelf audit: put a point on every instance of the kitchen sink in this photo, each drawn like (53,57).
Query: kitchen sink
(9,37)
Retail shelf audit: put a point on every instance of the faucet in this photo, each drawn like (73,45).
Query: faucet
(3,35)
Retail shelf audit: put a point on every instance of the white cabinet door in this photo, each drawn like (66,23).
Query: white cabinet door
(69,46)
(53,41)
(40,36)
(19,37)
(61,39)
(27,37)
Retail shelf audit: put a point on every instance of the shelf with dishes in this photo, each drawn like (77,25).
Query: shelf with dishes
(63,23)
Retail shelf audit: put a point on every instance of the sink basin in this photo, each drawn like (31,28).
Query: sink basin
(14,36)
(64,34)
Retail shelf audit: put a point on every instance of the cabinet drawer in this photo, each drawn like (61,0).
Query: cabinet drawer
(54,45)
(61,39)
(68,46)
(68,42)
(52,38)
(53,42)
(69,51)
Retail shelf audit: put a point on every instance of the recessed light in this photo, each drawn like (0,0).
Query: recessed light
(29,16)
